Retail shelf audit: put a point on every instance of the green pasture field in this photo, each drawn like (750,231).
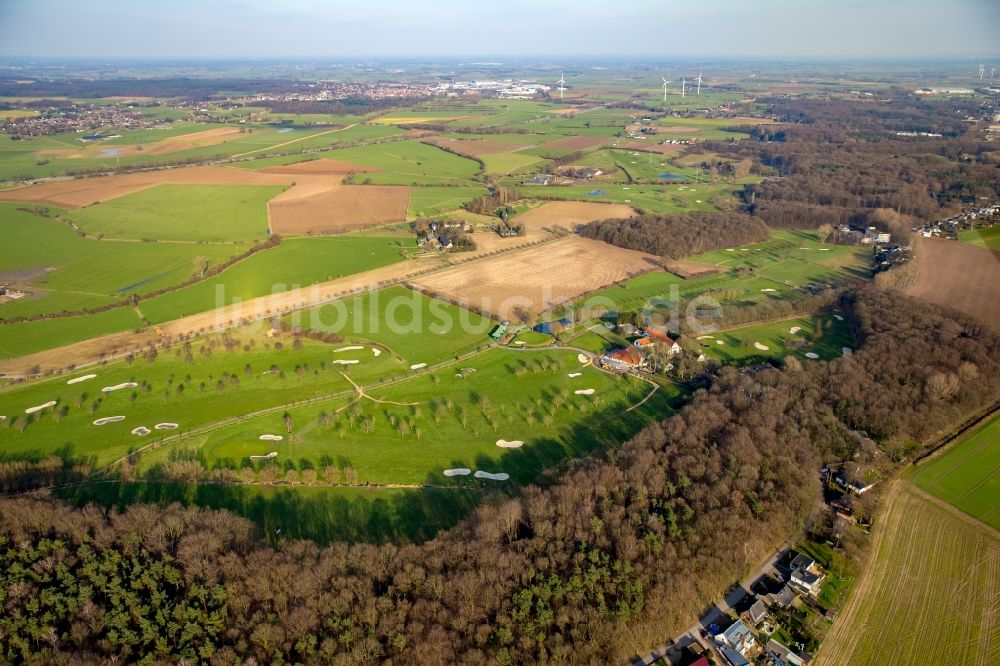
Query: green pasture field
(321,514)
(449,418)
(641,165)
(662,199)
(295,262)
(968,474)
(300,374)
(986,237)
(66,272)
(510,162)
(182,213)
(823,335)
(431,200)
(34,157)
(411,325)
(400,163)
(28,337)
(785,262)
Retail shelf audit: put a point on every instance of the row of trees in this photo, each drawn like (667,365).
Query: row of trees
(593,564)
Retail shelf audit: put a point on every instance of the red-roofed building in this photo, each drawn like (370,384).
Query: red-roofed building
(629,358)
(651,336)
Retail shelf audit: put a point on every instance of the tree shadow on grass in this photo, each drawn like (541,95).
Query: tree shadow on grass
(322,514)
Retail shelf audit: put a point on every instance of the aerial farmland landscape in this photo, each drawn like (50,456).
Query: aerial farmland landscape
(468,334)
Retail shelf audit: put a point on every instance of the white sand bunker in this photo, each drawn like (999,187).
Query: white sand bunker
(584,392)
(706,337)
(38,408)
(270,438)
(109,419)
(768,289)
(376,351)
(77,380)
(761,347)
(498,476)
(824,249)
(417,366)
(165,426)
(512,444)
(141,431)
(345,361)
(576,374)
(794,329)
(838,317)
(847,351)
(468,370)
(458,471)
(520,342)
(813,355)
(272,454)
(583,358)
(351,348)
(720,342)
(118,387)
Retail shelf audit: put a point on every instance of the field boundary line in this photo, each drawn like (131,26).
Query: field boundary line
(954,510)
(288,143)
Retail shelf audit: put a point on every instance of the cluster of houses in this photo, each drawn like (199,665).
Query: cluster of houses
(638,356)
(984,216)
(442,234)
(739,645)
(886,255)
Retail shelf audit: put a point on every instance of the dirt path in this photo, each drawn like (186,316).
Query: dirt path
(288,143)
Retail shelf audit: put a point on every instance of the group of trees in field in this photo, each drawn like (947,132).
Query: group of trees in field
(591,565)
(676,236)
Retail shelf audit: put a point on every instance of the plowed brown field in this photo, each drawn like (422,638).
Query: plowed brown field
(533,280)
(338,209)
(572,214)
(575,142)
(959,275)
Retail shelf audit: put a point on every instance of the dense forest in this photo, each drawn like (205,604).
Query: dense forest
(839,159)
(676,236)
(589,566)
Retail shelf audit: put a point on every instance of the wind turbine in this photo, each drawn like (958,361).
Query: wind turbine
(665,82)
(683,86)
(562,84)
(982,70)
(699,82)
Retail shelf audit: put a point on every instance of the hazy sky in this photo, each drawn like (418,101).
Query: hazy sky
(338,28)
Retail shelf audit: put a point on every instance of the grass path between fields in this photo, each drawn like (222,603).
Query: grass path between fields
(288,143)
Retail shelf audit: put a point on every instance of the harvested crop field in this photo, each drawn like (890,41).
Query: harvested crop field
(661,148)
(478,147)
(928,593)
(527,282)
(338,209)
(571,214)
(575,142)
(959,275)
(310,178)
(77,193)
